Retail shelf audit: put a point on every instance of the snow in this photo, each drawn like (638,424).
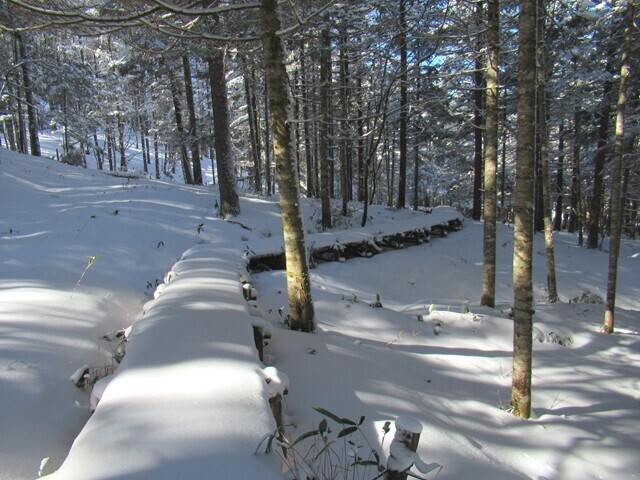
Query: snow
(190,398)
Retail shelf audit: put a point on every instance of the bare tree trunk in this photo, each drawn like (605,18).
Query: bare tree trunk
(477,122)
(595,209)
(491,156)
(177,110)
(416,154)
(301,311)
(346,187)
(193,127)
(123,153)
(614,247)
(229,200)
(254,131)
(311,175)
(21,138)
(504,214)
(557,221)
(268,150)
(575,210)
(32,117)
(325,119)
(402,167)
(156,155)
(523,210)
(543,135)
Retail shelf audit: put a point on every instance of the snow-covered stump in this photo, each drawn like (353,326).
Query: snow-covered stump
(403,450)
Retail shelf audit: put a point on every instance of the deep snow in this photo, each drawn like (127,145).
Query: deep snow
(81,253)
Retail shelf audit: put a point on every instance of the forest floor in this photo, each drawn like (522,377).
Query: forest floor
(82,252)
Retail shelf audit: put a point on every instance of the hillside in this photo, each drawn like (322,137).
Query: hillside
(81,253)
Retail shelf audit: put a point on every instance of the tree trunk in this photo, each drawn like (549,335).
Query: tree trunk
(477,123)
(593,220)
(614,247)
(177,110)
(267,144)
(543,136)
(402,167)
(311,176)
(504,214)
(123,153)
(193,127)
(416,154)
(325,119)
(346,187)
(254,130)
(21,137)
(362,188)
(557,221)
(301,312)
(523,211)
(229,200)
(575,210)
(32,117)
(156,152)
(491,156)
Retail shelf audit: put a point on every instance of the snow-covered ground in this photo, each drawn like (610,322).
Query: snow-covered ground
(82,253)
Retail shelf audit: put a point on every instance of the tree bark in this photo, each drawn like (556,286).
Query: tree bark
(193,127)
(123,153)
(543,146)
(402,166)
(21,137)
(177,111)
(254,129)
(325,120)
(575,209)
(523,211)
(614,247)
(491,156)
(593,220)
(32,114)
(229,200)
(301,312)
(477,124)
(557,221)
(308,151)
(346,187)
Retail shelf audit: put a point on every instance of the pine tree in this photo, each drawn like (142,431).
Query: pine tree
(616,220)
(491,156)
(301,310)
(523,212)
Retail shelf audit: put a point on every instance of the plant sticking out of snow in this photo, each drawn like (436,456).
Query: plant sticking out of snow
(90,261)
(377,303)
(322,454)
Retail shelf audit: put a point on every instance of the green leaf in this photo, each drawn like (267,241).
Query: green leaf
(361,420)
(322,428)
(368,463)
(305,435)
(347,431)
(334,417)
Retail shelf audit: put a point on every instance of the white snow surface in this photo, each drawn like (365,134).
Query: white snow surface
(81,255)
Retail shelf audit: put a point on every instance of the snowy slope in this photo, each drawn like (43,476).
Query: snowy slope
(448,368)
